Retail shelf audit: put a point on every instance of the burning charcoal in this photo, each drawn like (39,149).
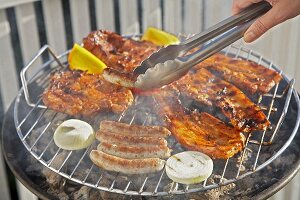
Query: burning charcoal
(108,195)
(53,178)
(82,193)
(34,167)
(218,193)
(62,196)
(94,195)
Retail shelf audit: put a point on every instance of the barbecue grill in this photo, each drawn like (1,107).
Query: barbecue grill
(35,124)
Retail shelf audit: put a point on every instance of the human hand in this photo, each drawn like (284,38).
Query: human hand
(281,11)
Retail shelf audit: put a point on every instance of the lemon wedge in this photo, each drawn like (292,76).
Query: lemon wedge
(73,134)
(189,167)
(159,37)
(81,59)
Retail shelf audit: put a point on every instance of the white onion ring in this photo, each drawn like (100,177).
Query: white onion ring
(73,134)
(189,167)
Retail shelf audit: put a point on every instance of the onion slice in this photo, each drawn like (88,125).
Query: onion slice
(189,167)
(73,134)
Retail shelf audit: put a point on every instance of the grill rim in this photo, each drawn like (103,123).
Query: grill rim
(204,187)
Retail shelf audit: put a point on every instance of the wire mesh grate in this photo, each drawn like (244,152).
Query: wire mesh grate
(35,129)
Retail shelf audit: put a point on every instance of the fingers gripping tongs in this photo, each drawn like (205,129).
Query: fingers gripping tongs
(170,63)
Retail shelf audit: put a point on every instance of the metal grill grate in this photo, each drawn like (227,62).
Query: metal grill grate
(35,126)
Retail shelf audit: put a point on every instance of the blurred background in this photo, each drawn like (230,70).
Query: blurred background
(26,25)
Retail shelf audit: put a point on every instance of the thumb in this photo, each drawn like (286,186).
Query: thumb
(262,25)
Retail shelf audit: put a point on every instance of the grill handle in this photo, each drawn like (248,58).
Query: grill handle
(25,69)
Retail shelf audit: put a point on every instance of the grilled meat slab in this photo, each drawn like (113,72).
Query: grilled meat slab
(198,131)
(78,93)
(246,75)
(206,88)
(117,52)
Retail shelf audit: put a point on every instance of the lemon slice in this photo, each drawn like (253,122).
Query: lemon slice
(189,167)
(81,59)
(73,134)
(159,37)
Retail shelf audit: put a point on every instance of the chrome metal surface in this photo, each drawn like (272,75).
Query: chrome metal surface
(171,70)
(35,126)
(170,63)
(24,70)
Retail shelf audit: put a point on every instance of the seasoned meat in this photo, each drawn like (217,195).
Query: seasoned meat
(78,93)
(130,149)
(119,78)
(133,130)
(117,52)
(116,138)
(207,89)
(135,151)
(197,131)
(126,166)
(246,75)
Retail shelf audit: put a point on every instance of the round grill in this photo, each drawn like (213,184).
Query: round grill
(35,126)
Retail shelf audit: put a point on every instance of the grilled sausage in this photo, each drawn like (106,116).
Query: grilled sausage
(136,151)
(126,166)
(119,78)
(142,141)
(139,130)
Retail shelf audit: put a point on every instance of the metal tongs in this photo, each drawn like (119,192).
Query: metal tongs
(170,63)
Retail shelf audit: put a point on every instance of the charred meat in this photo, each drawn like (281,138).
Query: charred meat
(117,52)
(198,131)
(246,75)
(77,93)
(207,89)
(119,78)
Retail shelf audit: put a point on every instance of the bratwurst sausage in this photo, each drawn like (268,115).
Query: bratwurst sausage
(138,130)
(135,151)
(126,166)
(115,138)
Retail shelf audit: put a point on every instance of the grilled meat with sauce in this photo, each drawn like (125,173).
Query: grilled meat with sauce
(117,52)
(207,89)
(78,93)
(197,131)
(246,75)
